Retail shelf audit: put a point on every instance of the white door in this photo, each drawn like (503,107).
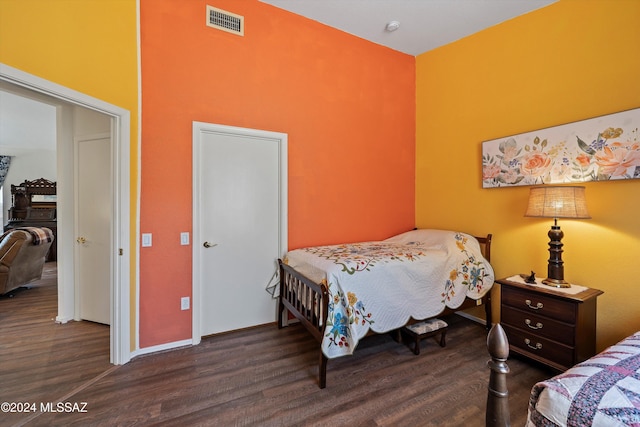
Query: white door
(93,228)
(239,225)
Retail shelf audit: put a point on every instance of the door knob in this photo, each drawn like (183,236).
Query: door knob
(209,245)
(81,240)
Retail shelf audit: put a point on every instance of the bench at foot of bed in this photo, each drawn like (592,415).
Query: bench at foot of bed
(426,329)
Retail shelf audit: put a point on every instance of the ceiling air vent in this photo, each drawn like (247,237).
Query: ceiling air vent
(225,21)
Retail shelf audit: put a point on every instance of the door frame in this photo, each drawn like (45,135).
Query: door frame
(200,128)
(120,343)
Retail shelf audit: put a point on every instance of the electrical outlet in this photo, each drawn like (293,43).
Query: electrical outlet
(184,238)
(184,303)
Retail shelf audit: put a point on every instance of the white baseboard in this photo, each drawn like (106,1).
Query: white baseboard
(62,320)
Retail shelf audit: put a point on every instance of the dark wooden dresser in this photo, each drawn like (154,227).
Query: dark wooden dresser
(33,204)
(548,325)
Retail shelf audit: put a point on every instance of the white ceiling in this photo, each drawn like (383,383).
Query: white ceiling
(26,124)
(424,24)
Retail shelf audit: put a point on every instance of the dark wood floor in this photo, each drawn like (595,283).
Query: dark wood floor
(262,376)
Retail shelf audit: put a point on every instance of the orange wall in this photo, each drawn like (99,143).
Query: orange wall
(347,105)
(569,61)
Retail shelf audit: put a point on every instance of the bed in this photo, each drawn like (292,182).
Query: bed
(341,293)
(601,391)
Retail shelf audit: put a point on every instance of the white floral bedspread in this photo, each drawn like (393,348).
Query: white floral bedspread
(380,285)
(601,391)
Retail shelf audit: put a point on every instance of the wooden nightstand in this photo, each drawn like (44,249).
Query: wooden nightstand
(552,326)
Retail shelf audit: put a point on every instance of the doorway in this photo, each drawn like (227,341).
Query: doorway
(239,225)
(66,100)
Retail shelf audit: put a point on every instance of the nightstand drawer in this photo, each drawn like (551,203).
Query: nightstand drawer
(551,352)
(542,305)
(538,325)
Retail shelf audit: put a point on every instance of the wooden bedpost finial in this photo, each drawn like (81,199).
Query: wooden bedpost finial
(497,395)
(497,343)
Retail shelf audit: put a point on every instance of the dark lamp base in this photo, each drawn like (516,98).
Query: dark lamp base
(556,283)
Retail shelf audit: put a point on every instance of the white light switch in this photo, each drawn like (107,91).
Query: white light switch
(146,240)
(184,238)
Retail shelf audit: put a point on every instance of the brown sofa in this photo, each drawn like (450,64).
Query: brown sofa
(22,256)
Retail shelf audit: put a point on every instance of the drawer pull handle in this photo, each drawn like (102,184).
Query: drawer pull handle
(538,345)
(538,306)
(536,326)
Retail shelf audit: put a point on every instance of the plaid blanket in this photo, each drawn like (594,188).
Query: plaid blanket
(40,235)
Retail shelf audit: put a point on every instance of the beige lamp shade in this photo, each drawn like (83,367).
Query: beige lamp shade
(557,202)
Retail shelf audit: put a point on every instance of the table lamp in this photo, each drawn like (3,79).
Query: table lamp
(557,202)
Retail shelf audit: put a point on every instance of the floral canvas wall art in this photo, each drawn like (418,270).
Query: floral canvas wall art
(599,149)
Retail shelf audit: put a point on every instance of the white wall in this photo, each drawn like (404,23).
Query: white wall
(28,134)
(89,122)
